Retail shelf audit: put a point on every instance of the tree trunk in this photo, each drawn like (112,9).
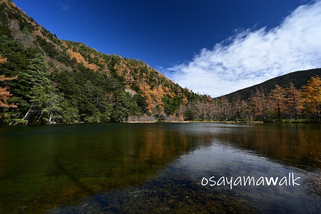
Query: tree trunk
(39,117)
(27,113)
(50,116)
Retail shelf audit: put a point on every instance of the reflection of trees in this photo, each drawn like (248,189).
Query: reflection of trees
(74,162)
(291,143)
(157,143)
(70,163)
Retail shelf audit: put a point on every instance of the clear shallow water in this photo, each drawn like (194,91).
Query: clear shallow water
(157,168)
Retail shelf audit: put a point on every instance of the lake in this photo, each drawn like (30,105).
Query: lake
(161,168)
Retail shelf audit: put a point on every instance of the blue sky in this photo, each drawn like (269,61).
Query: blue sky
(210,46)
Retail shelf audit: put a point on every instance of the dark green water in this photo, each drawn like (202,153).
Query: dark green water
(158,168)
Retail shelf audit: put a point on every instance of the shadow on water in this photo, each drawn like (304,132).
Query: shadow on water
(79,184)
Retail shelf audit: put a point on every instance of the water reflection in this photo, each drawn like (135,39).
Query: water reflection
(156,168)
(296,144)
(178,187)
(53,165)
(224,161)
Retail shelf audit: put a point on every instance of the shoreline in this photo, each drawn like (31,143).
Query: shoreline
(185,122)
(157,122)
(191,121)
(227,122)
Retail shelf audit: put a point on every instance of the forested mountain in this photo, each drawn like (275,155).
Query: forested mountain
(60,81)
(292,97)
(45,80)
(298,78)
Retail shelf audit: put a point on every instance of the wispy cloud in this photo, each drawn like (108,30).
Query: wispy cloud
(253,56)
(64,5)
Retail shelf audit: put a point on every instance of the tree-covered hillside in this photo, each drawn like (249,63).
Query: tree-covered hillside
(297,78)
(68,82)
(45,80)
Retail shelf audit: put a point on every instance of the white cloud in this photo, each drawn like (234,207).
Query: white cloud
(253,56)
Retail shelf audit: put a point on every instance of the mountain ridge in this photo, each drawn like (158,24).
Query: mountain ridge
(298,78)
(61,81)
(156,95)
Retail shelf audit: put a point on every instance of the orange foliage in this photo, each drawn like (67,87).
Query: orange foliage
(65,44)
(80,59)
(312,95)
(158,94)
(149,100)
(77,56)
(168,92)
(276,101)
(294,102)
(2,61)
(4,94)
(258,101)
(184,99)
(101,61)
(154,98)
(92,55)
(92,67)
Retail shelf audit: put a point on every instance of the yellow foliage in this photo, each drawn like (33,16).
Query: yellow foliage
(77,56)
(92,67)
(4,94)
(2,61)
(80,59)
(312,94)
(65,44)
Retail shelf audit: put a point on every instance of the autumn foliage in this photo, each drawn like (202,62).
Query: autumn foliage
(279,103)
(312,96)
(74,83)
(4,93)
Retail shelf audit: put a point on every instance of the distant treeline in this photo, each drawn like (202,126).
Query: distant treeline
(278,104)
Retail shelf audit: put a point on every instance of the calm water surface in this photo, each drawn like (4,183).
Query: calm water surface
(159,168)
